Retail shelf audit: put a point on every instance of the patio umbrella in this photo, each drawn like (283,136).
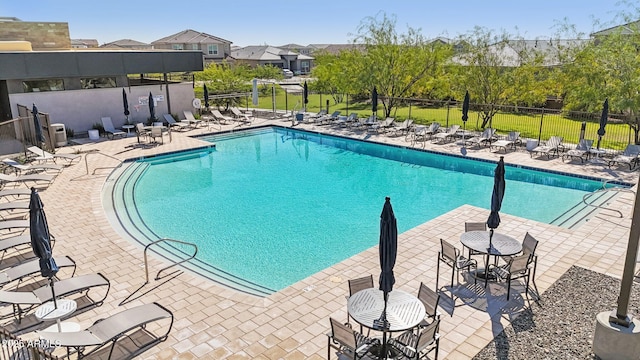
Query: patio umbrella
(41,240)
(496,198)
(206,97)
(37,125)
(374,101)
(388,248)
(152,108)
(125,103)
(465,117)
(305,95)
(603,121)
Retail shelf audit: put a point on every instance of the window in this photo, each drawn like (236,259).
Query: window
(98,83)
(43,85)
(212,49)
(195,47)
(304,66)
(177,47)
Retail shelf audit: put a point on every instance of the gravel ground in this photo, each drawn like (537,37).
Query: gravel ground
(561,325)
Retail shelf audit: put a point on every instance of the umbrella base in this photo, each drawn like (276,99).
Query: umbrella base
(378,351)
(483,275)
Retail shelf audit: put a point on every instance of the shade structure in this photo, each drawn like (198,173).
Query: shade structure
(41,239)
(125,104)
(37,124)
(206,97)
(465,107)
(496,198)
(603,121)
(374,101)
(305,95)
(152,108)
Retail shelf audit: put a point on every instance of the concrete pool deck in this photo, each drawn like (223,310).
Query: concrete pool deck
(218,323)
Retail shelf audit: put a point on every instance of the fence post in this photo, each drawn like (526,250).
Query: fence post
(448,107)
(540,131)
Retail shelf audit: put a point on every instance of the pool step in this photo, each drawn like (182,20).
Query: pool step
(236,134)
(119,196)
(581,212)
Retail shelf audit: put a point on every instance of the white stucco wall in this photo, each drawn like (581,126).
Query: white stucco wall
(80,109)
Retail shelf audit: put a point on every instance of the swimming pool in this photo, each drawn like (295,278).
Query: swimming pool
(269,207)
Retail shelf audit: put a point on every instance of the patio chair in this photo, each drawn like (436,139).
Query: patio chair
(516,268)
(356,285)
(484,138)
(628,157)
(175,124)
(445,136)
(240,116)
(28,268)
(348,342)
(475,226)
(141,132)
(581,151)
(107,124)
(19,168)
(79,288)
(430,299)
(26,180)
(222,119)
(188,116)
(511,140)
(418,346)
(123,335)
(551,147)
(451,257)
(42,155)
(156,132)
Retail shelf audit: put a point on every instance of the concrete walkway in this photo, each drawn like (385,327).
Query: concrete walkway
(217,323)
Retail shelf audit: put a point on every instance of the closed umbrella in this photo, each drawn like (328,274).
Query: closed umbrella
(125,103)
(388,248)
(41,240)
(305,96)
(496,198)
(603,121)
(465,117)
(206,97)
(152,108)
(374,102)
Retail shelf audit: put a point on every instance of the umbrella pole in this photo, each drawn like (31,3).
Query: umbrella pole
(53,293)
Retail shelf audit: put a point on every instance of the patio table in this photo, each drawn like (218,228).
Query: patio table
(501,245)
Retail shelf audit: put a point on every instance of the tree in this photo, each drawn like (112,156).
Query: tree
(225,79)
(398,65)
(267,72)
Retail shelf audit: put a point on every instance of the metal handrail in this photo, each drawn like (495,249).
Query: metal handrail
(603,190)
(86,163)
(146,263)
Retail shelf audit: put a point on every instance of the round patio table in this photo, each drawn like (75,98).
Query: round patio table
(501,245)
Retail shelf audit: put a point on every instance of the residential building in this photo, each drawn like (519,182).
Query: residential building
(41,34)
(260,55)
(214,49)
(127,44)
(84,43)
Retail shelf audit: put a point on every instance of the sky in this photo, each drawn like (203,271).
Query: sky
(303,22)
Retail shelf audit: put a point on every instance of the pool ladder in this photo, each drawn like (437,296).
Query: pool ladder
(602,191)
(158,277)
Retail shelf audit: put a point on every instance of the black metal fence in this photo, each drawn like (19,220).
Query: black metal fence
(13,348)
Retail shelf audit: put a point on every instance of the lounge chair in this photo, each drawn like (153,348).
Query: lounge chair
(13,208)
(510,141)
(32,168)
(123,335)
(581,151)
(403,127)
(110,129)
(32,179)
(327,119)
(13,227)
(240,116)
(346,120)
(188,115)
(175,124)
(42,155)
(484,138)
(384,125)
(221,118)
(78,288)
(321,113)
(15,194)
(445,136)
(628,157)
(31,267)
(551,147)
(18,244)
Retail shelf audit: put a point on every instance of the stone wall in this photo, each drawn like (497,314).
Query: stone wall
(42,35)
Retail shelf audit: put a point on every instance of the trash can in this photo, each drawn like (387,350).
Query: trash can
(60,134)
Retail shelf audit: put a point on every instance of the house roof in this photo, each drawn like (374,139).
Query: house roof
(260,52)
(124,43)
(337,48)
(625,29)
(190,37)
(87,42)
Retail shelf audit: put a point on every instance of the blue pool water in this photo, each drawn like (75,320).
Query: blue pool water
(276,205)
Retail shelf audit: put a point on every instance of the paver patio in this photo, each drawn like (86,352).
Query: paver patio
(218,323)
